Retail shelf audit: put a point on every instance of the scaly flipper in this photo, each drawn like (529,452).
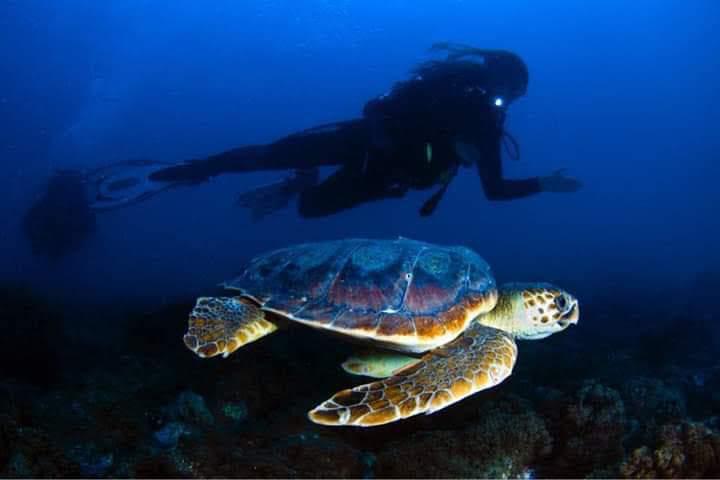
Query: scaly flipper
(221,325)
(377,364)
(480,359)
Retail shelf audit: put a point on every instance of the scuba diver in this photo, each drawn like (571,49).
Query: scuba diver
(449,114)
(62,220)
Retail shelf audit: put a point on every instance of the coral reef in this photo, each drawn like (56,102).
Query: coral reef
(321,458)
(260,454)
(31,337)
(8,437)
(588,428)
(168,435)
(506,438)
(650,402)
(189,407)
(156,466)
(91,462)
(683,450)
(34,454)
(236,411)
(152,409)
(651,399)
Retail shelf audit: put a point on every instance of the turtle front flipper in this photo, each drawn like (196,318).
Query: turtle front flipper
(482,358)
(221,325)
(377,364)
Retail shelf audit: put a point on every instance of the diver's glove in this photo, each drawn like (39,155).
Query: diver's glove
(560,183)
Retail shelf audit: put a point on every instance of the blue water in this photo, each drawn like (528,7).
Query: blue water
(623,94)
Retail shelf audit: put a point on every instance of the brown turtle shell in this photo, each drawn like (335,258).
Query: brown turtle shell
(404,294)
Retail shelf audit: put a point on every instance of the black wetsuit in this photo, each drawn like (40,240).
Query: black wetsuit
(405,140)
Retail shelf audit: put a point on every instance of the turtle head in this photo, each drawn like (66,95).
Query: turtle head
(533,311)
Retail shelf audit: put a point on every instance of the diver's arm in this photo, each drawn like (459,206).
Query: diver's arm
(489,166)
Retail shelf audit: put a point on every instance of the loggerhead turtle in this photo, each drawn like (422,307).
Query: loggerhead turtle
(438,305)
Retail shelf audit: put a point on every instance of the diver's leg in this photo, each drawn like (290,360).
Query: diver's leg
(199,170)
(326,145)
(129,182)
(344,189)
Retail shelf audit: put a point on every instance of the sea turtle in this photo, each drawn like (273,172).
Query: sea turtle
(438,305)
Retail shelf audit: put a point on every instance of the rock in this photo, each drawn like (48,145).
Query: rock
(236,411)
(190,408)
(18,466)
(158,466)
(32,336)
(368,461)
(91,462)
(168,436)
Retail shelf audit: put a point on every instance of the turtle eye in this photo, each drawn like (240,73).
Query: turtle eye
(561,302)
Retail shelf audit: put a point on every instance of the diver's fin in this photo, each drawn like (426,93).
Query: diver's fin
(270,198)
(124,183)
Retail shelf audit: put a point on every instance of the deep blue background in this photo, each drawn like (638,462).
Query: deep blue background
(624,94)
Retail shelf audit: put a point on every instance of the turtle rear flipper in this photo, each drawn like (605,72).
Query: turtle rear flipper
(221,325)
(377,364)
(480,359)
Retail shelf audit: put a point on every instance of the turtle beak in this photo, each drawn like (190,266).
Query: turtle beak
(570,317)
